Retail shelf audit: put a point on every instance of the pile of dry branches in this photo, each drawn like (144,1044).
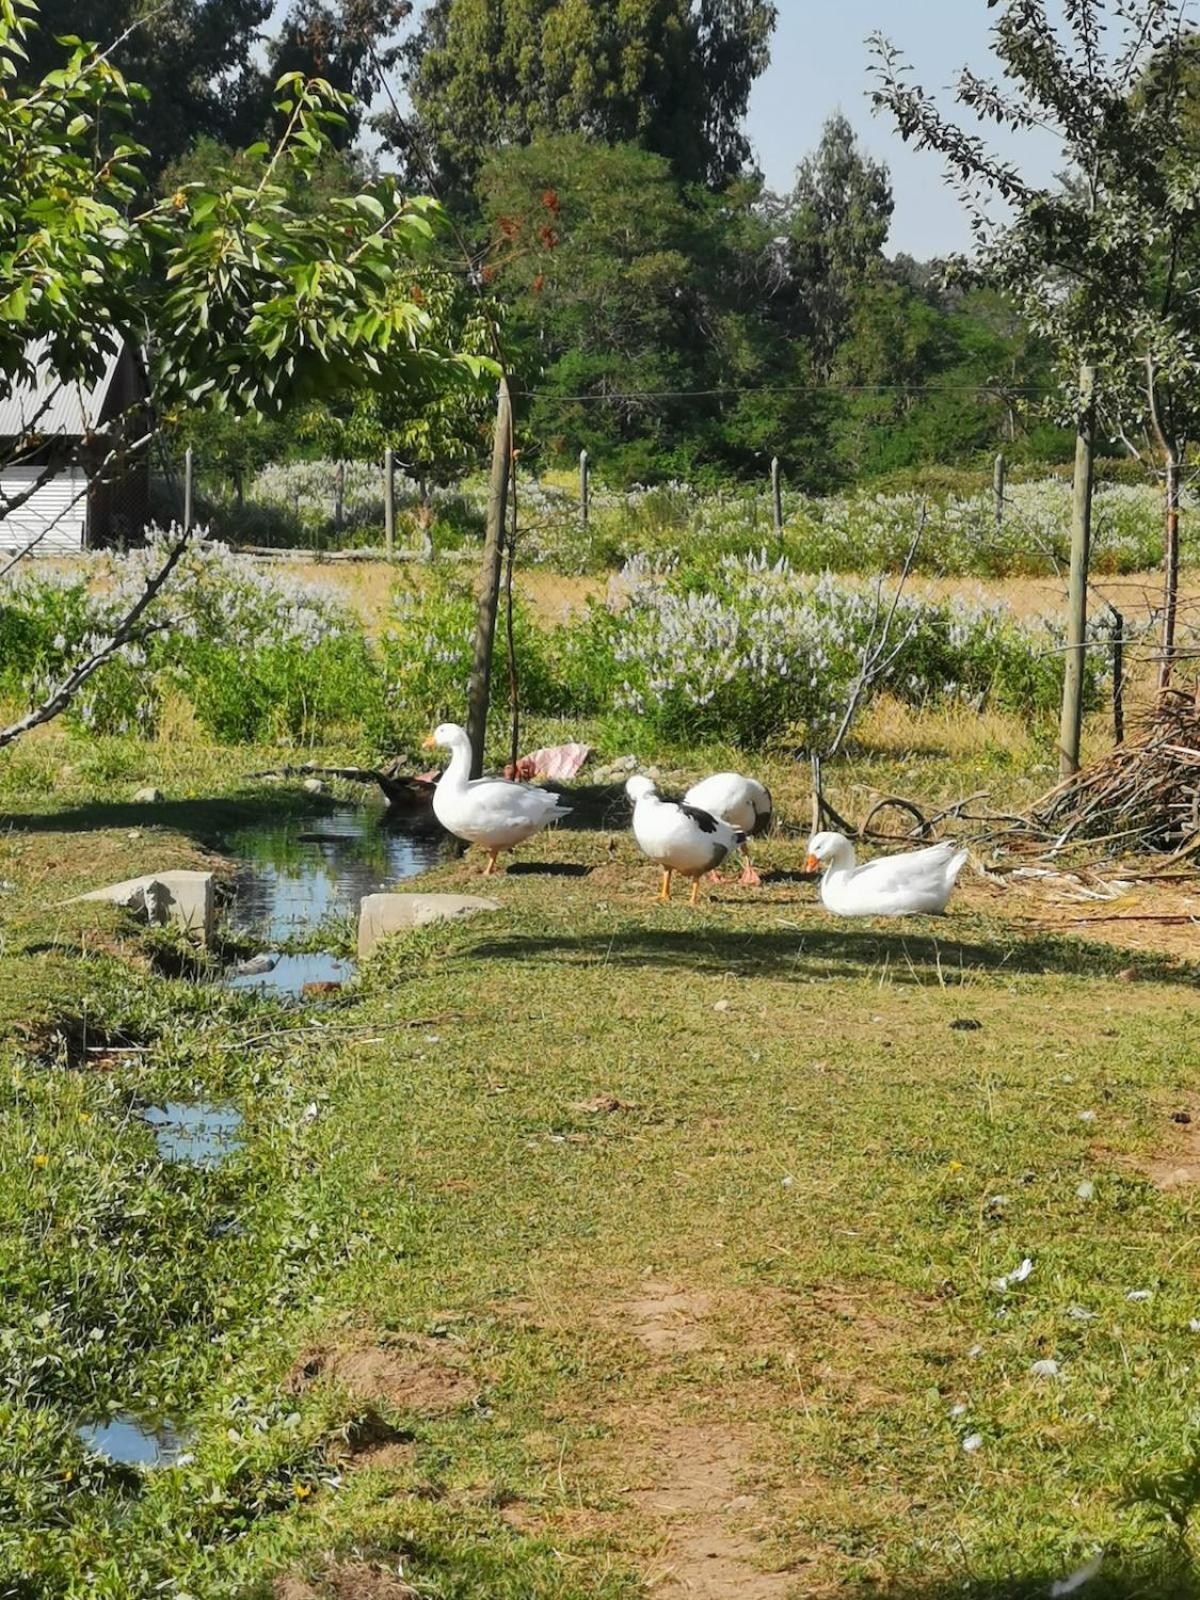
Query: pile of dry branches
(1144,795)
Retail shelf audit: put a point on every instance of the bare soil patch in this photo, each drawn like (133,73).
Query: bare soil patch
(1177,1164)
(347,1580)
(666,1318)
(417,1375)
(692,1487)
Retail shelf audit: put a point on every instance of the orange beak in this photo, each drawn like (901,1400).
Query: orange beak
(429,743)
(811,864)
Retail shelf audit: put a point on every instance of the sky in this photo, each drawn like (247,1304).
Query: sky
(819,64)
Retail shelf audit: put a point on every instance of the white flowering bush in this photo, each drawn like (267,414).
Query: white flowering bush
(859,531)
(301,495)
(259,656)
(760,653)
(744,649)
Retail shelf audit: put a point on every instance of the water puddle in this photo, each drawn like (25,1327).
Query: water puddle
(134,1441)
(196,1132)
(299,871)
(294,974)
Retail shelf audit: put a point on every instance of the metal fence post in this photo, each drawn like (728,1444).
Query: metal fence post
(389,502)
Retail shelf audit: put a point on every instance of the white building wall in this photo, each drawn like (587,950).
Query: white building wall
(57,510)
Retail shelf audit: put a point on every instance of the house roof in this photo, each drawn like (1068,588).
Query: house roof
(48,406)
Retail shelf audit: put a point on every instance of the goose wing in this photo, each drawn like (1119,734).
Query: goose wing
(913,868)
(497,800)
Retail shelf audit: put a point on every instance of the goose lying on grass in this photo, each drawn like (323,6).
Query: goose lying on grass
(743,803)
(679,837)
(892,886)
(491,812)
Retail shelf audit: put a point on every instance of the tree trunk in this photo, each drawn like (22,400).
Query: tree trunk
(1170,572)
(488,587)
(1071,722)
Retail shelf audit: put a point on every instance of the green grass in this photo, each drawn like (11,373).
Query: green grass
(778,1247)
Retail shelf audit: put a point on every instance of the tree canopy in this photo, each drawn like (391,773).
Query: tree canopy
(673,75)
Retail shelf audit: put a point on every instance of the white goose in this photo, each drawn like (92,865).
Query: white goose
(891,886)
(489,811)
(679,837)
(741,802)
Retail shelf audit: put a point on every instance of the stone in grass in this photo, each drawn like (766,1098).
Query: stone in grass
(185,899)
(381,914)
(315,786)
(253,965)
(149,796)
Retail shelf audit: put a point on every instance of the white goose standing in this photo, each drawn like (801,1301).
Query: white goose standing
(679,837)
(489,811)
(743,803)
(891,886)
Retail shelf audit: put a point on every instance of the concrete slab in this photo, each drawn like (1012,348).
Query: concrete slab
(382,914)
(186,899)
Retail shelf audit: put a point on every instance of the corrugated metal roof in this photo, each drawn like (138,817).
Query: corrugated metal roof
(50,407)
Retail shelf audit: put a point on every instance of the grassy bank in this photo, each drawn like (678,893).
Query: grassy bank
(592,1248)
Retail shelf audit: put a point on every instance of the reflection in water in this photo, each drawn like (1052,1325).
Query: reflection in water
(134,1441)
(194,1131)
(289,974)
(298,872)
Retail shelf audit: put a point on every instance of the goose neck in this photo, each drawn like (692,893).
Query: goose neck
(458,773)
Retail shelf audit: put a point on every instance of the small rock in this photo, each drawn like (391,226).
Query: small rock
(1194,1325)
(973,1442)
(1044,1369)
(959,1409)
(148,796)
(382,914)
(1086,1190)
(1129,975)
(256,964)
(1087,1116)
(721,1005)
(1138,1295)
(974,1353)
(185,898)
(1182,1117)
(1080,1314)
(315,786)
(966,1025)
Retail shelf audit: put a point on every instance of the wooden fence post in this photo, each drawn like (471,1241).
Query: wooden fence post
(389,502)
(1071,721)
(1118,674)
(488,587)
(776,495)
(998,490)
(1170,573)
(189,486)
(584,490)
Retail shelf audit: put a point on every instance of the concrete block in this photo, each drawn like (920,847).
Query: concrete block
(187,899)
(382,914)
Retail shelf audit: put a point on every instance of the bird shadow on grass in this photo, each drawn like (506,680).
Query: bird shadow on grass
(922,959)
